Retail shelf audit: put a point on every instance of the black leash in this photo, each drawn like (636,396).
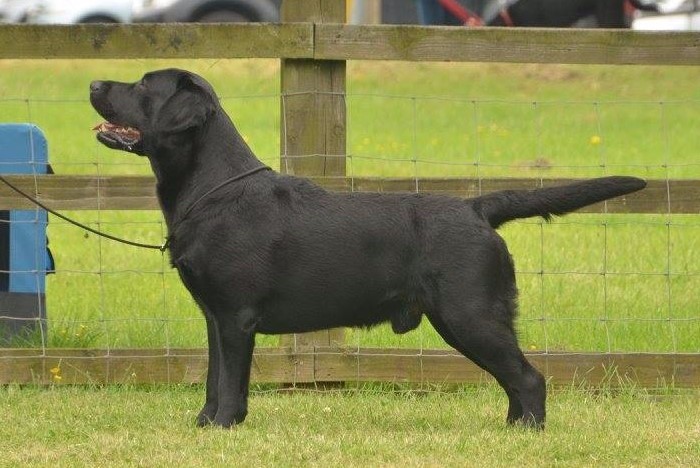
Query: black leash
(76,223)
(161,247)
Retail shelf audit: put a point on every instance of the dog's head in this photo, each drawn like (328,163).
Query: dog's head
(162,110)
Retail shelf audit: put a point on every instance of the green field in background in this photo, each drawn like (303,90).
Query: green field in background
(587,282)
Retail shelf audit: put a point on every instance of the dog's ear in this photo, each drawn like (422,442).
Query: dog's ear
(187,108)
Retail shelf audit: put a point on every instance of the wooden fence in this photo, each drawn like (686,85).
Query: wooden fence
(313,46)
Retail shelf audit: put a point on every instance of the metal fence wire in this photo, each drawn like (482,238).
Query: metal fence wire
(606,282)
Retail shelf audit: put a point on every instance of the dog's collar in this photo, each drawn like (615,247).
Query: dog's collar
(189,209)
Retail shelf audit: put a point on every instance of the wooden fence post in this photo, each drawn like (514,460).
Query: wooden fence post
(313,127)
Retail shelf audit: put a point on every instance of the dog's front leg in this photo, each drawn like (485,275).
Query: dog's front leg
(211,404)
(236,343)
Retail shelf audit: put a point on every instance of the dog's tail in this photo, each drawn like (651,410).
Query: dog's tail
(500,207)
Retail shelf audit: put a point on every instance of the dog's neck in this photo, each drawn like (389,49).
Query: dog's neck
(209,160)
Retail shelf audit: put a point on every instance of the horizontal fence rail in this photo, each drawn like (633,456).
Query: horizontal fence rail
(350,42)
(332,364)
(309,363)
(173,41)
(518,45)
(680,196)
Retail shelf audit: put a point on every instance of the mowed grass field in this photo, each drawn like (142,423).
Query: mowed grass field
(587,282)
(153,426)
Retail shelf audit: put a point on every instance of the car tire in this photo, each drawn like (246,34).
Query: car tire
(224,16)
(235,11)
(97,19)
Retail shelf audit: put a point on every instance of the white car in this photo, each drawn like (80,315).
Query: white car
(65,12)
(674,15)
(206,11)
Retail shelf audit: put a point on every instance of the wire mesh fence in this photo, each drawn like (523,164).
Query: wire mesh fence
(606,282)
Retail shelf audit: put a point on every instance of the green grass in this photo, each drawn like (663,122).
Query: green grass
(411,120)
(404,120)
(153,426)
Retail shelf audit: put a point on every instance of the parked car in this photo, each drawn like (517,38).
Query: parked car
(675,15)
(65,12)
(206,11)
(11,12)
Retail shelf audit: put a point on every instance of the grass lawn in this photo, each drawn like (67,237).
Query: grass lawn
(152,426)
(588,282)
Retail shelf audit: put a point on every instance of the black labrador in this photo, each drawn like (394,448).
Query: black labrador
(564,13)
(263,252)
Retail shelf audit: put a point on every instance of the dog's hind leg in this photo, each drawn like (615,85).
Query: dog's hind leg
(475,330)
(515,409)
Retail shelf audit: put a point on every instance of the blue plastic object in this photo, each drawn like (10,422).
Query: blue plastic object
(24,256)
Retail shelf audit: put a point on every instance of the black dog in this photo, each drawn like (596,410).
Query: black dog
(564,13)
(262,252)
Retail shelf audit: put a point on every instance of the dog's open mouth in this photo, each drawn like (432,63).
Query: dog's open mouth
(117,136)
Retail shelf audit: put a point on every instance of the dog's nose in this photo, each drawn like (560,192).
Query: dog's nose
(96,86)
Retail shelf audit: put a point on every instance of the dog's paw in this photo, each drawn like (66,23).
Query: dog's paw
(227,419)
(203,420)
(224,422)
(206,416)
(528,421)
